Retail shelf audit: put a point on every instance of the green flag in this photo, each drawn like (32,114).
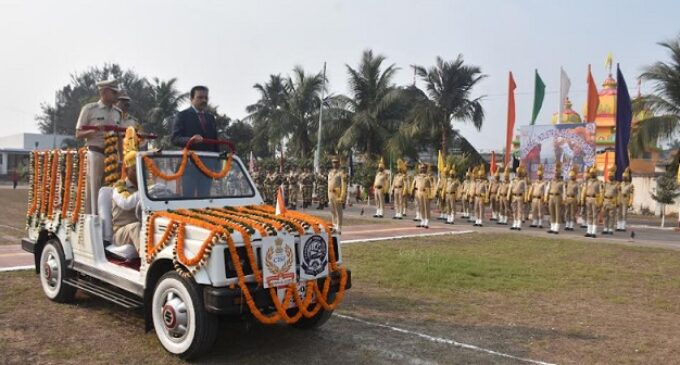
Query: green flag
(539,94)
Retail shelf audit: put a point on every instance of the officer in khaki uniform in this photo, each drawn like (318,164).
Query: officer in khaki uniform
(463,194)
(625,201)
(423,190)
(337,192)
(441,193)
(452,185)
(555,197)
(380,187)
(307,183)
(398,189)
(126,226)
(537,196)
(123,106)
(470,194)
(493,195)
(517,195)
(481,196)
(571,198)
(502,198)
(99,114)
(591,198)
(612,192)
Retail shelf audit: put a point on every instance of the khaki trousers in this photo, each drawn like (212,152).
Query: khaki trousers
(398,201)
(95,178)
(609,207)
(536,208)
(379,200)
(517,207)
(128,233)
(423,205)
(336,209)
(591,211)
(555,208)
(451,203)
(479,208)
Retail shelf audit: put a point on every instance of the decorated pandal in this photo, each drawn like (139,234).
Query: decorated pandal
(605,123)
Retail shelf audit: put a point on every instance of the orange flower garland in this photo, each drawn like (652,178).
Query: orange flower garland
(36,184)
(81,186)
(65,203)
(186,153)
(53,184)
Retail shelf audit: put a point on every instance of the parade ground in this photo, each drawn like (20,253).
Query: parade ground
(450,294)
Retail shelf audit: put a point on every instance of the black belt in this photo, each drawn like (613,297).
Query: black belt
(554,194)
(95,149)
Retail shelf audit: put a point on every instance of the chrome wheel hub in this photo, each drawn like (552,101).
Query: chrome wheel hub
(174,315)
(51,270)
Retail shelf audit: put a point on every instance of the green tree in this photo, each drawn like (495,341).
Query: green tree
(241,133)
(165,100)
(301,111)
(266,116)
(374,105)
(666,192)
(664,104)
(447,98)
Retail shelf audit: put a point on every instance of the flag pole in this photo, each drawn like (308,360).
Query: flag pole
(317,153)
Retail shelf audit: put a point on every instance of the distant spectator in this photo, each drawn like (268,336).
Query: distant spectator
(15,179)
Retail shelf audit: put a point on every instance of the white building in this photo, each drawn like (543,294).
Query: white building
(15,149)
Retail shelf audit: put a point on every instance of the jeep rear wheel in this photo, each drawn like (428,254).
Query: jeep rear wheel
(53,271)
(182,324)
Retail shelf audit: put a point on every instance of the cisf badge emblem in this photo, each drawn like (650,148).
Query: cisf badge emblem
(279,261)
(313,257)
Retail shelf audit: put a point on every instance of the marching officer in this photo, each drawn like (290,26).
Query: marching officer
(380,187)
(481,196)
(337,192)
(582,205)
(407,182)
(441,193)
(292,186)
(422,188)
(398,189)
(493,194)
(591,198)
(307,182)
(555,196)
(571,198)
(322,190)
(626,200)
(502,198)
(452,185)
(612,194)
(99,114)
(536,194)
(517,195)
(470,196)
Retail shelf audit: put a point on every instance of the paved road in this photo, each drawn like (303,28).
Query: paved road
(646,234)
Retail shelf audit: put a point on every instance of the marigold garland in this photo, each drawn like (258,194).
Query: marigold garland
(82,162)
(53,183)
(111,164)
(35,186)
(186,153)
(65,204)
(45,173)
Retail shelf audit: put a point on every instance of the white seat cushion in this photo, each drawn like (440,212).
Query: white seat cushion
(105,205)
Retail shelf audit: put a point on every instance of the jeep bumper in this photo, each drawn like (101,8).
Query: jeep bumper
(228,301)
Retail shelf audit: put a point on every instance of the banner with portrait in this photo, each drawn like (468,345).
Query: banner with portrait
(546,144)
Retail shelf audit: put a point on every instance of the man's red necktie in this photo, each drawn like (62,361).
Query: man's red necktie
(201,118)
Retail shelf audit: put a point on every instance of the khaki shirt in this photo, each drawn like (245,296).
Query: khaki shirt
(123,207)
(452,185)
(593,188)
(503,190)
(611,190)
(380,181)
(481,188)
(399,181)
(571,189)
(519,187)
(127,120)
(337,183)
(97,114)
(556,187)
(422,183)
(537,189)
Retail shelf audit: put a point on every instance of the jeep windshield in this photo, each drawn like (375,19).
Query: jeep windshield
(162,183)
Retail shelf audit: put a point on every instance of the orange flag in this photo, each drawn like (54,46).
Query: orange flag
(493,163)
(511,118)
(280,205)
(593,100)
(606,166)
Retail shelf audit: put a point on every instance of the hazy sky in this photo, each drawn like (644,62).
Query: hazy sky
(230,45)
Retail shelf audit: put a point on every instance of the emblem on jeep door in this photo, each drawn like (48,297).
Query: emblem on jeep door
(314,256)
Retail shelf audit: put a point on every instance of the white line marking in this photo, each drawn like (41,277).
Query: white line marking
(388,238)
(17,268)
(11,227)
(443,340)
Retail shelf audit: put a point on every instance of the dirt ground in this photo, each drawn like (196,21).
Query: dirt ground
(553,300)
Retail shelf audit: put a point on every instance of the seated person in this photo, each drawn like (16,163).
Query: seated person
(126,225)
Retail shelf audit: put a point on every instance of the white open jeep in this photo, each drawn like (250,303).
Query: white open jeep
(220,252)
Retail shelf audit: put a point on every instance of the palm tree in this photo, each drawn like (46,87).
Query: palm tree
(166,99)
(447,98)
(301,110)
(664,106)
(373,104)
(266,116)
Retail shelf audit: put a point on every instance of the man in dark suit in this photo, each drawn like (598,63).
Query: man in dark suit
(198,123)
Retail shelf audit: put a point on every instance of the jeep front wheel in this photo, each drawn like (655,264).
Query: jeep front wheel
(53,271)
(182,325)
